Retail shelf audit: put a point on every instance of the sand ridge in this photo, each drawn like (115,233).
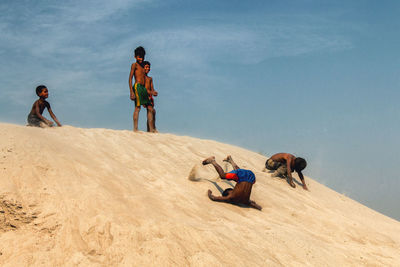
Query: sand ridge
(103,197)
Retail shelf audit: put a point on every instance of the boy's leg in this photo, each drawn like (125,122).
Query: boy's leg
(136,118)
(290,181)
(230,160)
(271,165)
(281,171)
(154,120)
(211,160)
(43,124)
(34,120)
(150,118)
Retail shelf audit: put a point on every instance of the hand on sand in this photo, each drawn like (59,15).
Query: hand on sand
(292,184)
(210,195)
(255,205)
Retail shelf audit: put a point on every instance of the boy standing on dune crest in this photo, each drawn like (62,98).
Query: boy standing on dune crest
(138,91)
(150,90)
(35,117)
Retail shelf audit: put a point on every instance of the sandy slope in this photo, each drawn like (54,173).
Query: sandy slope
(71,196)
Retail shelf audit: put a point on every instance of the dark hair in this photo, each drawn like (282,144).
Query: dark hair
(146,63)
(139,51)
(39,89)
(299,164)
(226,192)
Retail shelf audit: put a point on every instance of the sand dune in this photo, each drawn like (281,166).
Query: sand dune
(98,197)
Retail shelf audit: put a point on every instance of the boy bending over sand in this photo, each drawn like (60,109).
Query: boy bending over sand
(244,179)
(35,117)
(284,164)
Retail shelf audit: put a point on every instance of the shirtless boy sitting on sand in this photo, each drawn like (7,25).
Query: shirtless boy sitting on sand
(284,164)
(35,117)
(244,179)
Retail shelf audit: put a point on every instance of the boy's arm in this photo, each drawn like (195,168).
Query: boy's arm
(153,92)
(132,94)
(53,116)
(289,171)
(302,180)
(37,112)
(219,199)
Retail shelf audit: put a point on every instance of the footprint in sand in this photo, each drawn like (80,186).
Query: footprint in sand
(13,215)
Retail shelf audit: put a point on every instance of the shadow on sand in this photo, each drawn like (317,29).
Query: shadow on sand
(279,177)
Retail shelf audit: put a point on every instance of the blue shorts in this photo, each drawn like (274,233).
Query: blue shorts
(241,175)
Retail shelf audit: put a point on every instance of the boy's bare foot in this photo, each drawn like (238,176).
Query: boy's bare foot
(155,131)
(276,174)
(208,160)
(228,158)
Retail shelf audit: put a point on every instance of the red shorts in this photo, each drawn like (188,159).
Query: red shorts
(151,101)
(231,176)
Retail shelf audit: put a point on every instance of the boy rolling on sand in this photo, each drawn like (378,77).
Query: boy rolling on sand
(284,164)
(35,117)
(138,91)
(150,90)
(244,179)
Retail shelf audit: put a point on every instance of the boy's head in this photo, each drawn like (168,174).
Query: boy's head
(42,91)
(226,192)
(299,164)
(146,66)
(139,54)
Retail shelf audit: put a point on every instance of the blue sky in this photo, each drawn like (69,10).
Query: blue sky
(319,79)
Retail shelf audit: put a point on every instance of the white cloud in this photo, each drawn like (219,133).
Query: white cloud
(239,44)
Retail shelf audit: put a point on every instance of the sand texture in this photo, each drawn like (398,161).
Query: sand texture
(99,197)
